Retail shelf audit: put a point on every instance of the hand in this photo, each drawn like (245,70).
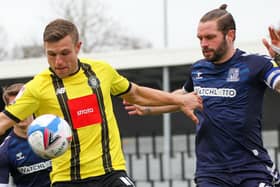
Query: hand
(192,101)
(133,109)
(275,40)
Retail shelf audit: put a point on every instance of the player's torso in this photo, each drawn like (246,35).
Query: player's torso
(231,120)
(96,145)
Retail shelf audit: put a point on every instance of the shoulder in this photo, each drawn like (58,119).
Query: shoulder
(254,58)
(43,74)
(100,67)
(95,63)
(40,78)
(4,147)
(200,62)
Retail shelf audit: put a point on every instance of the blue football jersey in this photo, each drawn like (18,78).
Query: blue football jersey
(228,135)
(26,168)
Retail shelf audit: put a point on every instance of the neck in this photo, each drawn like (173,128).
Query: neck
(20,132)
(226,57)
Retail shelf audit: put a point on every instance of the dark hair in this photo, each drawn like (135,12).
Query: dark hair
(60,28)
(10,91)
(225,21)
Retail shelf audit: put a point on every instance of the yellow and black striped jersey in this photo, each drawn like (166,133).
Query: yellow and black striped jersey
(84,100)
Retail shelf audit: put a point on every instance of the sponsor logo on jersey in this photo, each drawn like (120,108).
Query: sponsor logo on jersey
(85,111)
(215,92)
(233,75)
(35,167)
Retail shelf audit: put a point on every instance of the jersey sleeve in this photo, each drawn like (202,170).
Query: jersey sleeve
(269,71)
(120,84)
(188,86)
(272,75)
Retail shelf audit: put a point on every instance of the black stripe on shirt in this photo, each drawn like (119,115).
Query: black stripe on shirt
(75,143)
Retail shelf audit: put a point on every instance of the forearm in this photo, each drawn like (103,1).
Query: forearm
(156,110)
(151,97)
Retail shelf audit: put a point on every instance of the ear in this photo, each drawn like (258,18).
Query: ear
(231,35)
(78,46)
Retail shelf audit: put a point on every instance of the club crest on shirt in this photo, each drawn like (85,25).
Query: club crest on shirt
(233,75)
(93,82)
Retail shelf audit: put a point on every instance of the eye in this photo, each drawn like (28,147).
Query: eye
(210,37)
(51,54)
(64,53)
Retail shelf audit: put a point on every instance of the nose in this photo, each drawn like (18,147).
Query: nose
(203,43)
(58,59)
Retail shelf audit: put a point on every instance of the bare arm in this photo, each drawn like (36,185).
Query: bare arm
(184,102)
(152,110)
(5,123)
(146,96)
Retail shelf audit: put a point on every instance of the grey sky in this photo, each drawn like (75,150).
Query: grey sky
(144,18)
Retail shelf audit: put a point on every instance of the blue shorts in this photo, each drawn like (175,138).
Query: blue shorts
(253,176)
(217,182)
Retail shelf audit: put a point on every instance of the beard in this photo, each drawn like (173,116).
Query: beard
(214,55)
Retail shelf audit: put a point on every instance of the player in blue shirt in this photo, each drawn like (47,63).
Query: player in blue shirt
(232,83)
(16,157)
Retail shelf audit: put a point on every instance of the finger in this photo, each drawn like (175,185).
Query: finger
(134,112)
(200,100)
(192,117)
(272,33)
(126,102)
(200,107)
(265,43)
(129,107)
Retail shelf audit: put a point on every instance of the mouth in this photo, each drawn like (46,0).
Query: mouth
(207,52)
(60,69)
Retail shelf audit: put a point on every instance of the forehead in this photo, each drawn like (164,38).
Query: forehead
(207,28)
(61,44)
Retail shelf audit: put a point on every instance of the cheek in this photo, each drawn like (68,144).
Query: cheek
(51,60)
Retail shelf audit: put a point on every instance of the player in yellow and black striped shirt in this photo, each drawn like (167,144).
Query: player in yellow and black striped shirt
(79,90)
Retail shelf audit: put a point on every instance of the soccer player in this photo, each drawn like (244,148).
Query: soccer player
(17,158)
(80,90)
(231,82)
